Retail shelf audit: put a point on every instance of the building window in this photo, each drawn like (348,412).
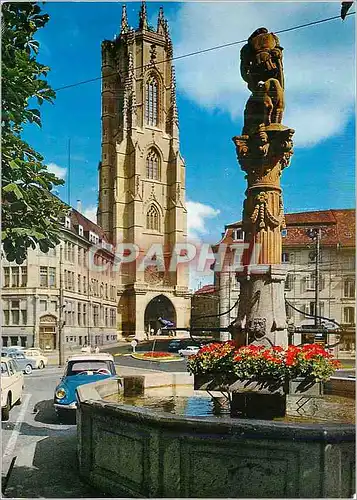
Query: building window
(84,309)
(23,276)
(80,230)
(106,317)
(151,104)
(79,313)
(310,282)
(53,305)
(79,283)
(349,288)
(237,234)
(289,282)
(43,277)
(153,219)
(15,277)
(153,165)
(285,257)
(93,238)
(84,285)
(67,223)
(350,262)
(6,277)
(349,315)
(43,306)
(15,312)
(52,277)
(95,315)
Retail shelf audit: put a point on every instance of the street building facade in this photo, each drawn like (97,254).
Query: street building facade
(60,295)
(204,308)
(336,272)
(142,174)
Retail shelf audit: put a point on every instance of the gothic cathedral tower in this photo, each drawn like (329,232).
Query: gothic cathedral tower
(142,174)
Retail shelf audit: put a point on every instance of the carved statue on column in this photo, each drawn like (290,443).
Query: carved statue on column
(263,150)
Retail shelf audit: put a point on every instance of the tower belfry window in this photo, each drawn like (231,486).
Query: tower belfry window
(151,102)
(153,219)
(153,165)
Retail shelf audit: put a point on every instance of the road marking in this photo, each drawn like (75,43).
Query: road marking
(16,432)
(27,453)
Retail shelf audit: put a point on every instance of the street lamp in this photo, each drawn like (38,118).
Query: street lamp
(315,235)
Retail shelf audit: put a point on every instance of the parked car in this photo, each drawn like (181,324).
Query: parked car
(12,384)
(26,363)
(41,360)
(79,370)
(189,350)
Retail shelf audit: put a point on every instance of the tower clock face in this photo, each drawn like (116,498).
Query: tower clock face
(153,275)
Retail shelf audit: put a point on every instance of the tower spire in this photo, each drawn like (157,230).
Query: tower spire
(124,28)
(161,21)
(143,20)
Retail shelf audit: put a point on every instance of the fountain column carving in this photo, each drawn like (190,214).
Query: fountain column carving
(263,151)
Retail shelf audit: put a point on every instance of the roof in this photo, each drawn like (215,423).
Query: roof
(101,356)
(205,290)
(79,219)
(338,227)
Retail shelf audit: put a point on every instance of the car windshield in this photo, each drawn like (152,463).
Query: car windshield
(4,370)
(75,367)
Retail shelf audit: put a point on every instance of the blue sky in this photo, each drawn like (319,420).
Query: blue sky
(319,67)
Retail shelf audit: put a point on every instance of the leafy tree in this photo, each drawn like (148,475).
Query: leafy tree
(30,212)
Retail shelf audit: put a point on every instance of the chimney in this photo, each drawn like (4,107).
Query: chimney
(79,206)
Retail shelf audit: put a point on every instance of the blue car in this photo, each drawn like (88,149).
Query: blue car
(80,369)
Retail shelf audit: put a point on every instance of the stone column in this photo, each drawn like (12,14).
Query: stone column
(263,156)
(263,150)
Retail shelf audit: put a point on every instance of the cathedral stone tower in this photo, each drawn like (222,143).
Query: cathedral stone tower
(142,174)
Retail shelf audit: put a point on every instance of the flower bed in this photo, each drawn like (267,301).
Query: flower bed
(269,367)
(156,356)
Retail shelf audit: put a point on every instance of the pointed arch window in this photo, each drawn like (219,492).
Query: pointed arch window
(153,219)
(151,103)
(153,165)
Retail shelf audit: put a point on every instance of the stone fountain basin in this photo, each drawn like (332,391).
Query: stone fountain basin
(129,451)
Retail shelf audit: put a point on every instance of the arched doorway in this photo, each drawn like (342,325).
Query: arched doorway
(159,307)
(47,334)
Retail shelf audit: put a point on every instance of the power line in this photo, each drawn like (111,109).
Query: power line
(210,49)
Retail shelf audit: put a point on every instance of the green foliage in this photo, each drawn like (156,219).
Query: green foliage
(30,213)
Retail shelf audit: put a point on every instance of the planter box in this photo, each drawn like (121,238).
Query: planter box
(299,386)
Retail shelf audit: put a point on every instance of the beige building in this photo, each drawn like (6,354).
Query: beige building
(204,308)
(60,289)
(142,173)
(336,276)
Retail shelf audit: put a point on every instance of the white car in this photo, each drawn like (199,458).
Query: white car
(189,350)
(37,355)
(12,384)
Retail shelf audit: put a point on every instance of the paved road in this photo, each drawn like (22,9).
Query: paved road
(45,450)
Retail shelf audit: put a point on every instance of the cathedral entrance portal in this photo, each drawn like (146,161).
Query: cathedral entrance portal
(159,307)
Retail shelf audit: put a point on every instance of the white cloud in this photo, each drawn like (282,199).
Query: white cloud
(91,213)
(197,213)
(318,61)
(60,172)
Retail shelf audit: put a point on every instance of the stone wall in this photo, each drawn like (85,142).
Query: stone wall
(133,452)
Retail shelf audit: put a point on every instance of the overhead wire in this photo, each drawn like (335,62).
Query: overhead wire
(203,51)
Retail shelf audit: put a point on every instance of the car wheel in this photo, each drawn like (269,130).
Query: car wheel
(41,365)
(28,369)
(5,412)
